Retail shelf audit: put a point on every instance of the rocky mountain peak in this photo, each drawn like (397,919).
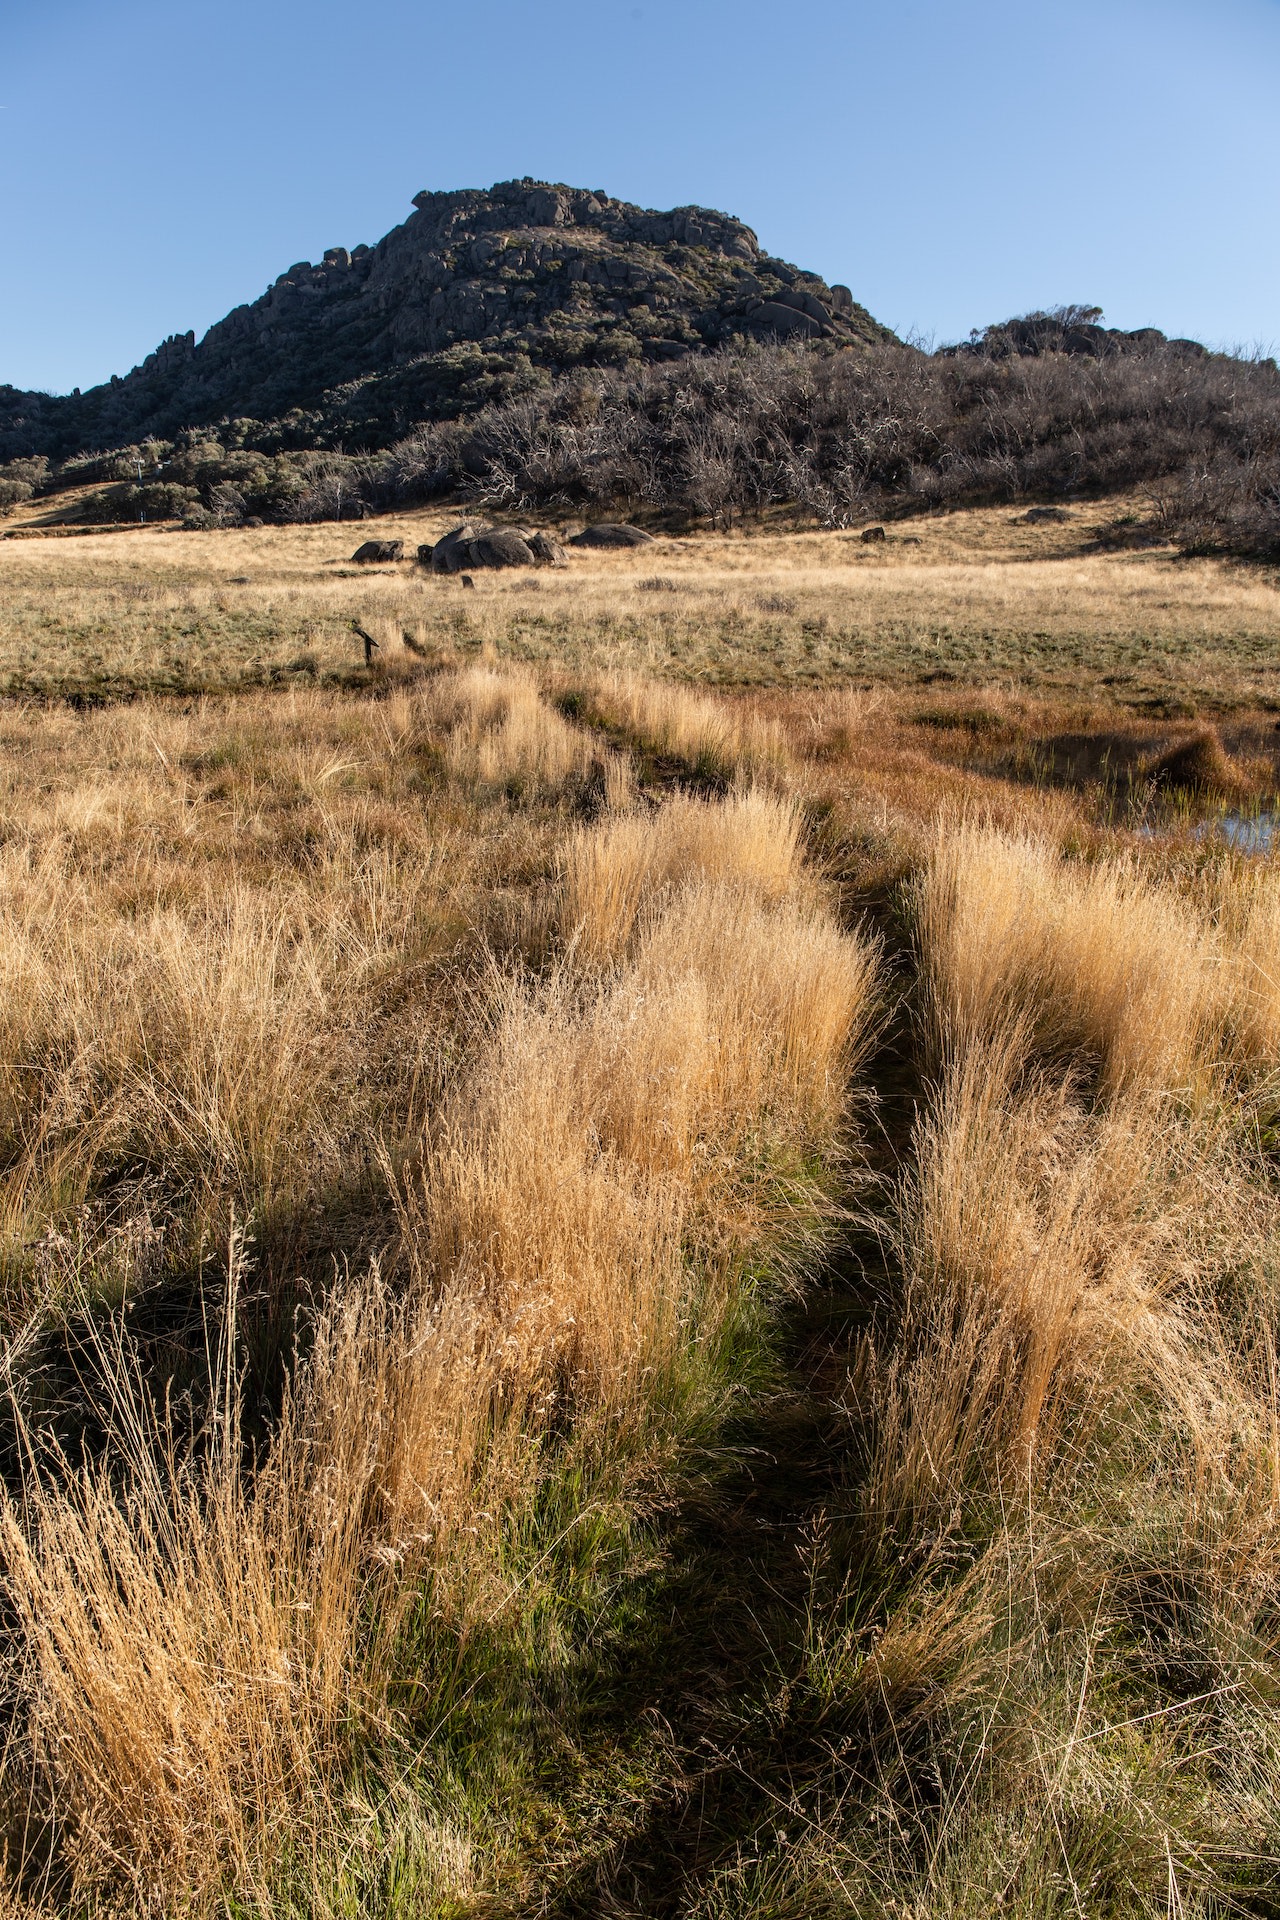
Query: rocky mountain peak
(479,294)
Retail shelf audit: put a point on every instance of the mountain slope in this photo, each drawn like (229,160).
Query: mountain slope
(478,295)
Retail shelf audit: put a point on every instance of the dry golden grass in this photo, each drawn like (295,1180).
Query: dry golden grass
(248,948)
(751,839)
(982,598)
(192,1644)
(1073,1444)
(712,739)
(220,930)
(1049,1255)
(1099,961)
(196,1645)
(1149,983)
(500,729)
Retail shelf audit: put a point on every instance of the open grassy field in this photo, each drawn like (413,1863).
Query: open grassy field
(631,1298)
(982,597)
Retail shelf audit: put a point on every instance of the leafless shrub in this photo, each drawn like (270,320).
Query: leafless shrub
(839,435)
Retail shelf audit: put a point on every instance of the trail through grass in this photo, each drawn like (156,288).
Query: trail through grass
(619,1302)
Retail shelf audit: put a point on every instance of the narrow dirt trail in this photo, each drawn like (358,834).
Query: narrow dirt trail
(723,1675)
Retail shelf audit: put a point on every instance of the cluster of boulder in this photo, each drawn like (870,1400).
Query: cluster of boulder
(803,312)
(467,548)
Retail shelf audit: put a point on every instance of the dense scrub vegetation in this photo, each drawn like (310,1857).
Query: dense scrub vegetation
(886,429)
(1024,412)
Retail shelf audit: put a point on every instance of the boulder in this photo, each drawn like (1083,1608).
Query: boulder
(471,546)
(804,300)
(375,552)
(771,319)
(547,551)
(450,555)
(1040,516)
(611,533)
(873,533)
(500,547)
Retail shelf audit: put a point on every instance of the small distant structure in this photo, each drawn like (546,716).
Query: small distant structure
(371,646)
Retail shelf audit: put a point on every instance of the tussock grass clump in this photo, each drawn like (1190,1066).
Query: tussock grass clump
(1155,987)
(194,919)
(751,840)
(194,1640)
(198,1644)
(1096,959)
(1050,1259)
(189,1040)
(712,738)
(606,1127)
(1199,765)
(499,729)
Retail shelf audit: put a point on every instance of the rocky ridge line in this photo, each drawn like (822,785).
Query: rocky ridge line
(478,295)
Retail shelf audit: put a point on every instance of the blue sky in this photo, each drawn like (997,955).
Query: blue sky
(164,161)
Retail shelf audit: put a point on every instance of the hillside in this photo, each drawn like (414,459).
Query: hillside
(477,296)
(544,347)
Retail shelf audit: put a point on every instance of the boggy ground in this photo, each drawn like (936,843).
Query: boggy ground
(621,1299)
(1078,607)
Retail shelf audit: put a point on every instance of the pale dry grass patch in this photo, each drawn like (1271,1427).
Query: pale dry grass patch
(196,1644)
(1244,899)
(206,1036)
(712,737)
(201,913)
(791,1000)
(1097,960)
(498,728)
(1083,1366)
(609,1122)
(751,839)
(1161,986)
(578,1259)
(1075,1448)
(1051,1269)
(192,1041)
